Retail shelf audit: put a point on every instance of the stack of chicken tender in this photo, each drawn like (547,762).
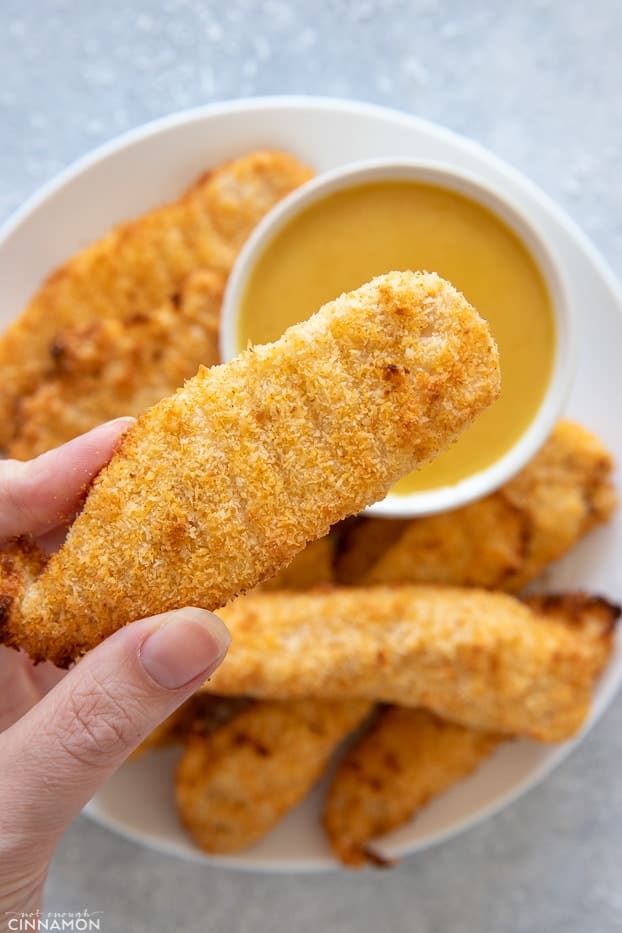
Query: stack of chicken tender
(460,663)
(408,633)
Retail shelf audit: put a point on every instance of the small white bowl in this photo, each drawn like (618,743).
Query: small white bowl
(510,212)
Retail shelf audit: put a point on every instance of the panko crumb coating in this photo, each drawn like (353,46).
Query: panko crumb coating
(502,541)
(405,759)
(481,659)
(234,785)
(138,267)
(216,488)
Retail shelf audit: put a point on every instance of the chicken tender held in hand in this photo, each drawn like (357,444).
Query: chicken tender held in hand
(218,487)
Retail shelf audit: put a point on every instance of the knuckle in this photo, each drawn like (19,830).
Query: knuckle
(98,726)
(20,884)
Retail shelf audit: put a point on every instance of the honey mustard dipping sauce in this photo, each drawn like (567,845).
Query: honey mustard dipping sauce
(346,238)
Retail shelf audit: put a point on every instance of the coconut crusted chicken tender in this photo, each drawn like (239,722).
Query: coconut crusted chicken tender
(408,757)
(203,713)
(103,369)
(141,265)
(502,541)
(404,759)
(233,788)
(234,785)
(216,488)
(477,658)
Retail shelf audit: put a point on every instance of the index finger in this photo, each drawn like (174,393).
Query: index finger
(41,494)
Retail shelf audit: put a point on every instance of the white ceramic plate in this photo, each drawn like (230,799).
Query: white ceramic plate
(154,164)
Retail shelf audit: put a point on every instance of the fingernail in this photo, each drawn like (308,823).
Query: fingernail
(187,643)
(115,425)
(98,442)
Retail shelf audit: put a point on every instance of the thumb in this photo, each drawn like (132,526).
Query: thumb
(79,734)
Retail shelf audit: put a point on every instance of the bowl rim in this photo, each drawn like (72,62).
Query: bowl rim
(510,212)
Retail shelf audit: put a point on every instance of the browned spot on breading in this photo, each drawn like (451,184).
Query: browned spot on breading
(132,270)
(235,784)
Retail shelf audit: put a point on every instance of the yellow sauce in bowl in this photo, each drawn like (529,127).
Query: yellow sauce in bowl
(348,237)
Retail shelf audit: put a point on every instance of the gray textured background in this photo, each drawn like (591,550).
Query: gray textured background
(539,84)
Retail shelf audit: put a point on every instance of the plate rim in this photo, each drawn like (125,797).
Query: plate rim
(309,102)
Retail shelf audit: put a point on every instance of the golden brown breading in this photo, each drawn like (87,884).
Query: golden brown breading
(201,715)
(103,369)
(221,821)
(502,541)
(481,659)
(216,488)
(408,757)
(21,563)
(592,616)
(142,264)
(234,785)
(309,568)
(404,759)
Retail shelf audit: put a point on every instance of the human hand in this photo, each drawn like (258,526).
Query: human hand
(62,735)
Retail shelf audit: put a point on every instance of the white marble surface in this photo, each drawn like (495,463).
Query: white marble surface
(538,83)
